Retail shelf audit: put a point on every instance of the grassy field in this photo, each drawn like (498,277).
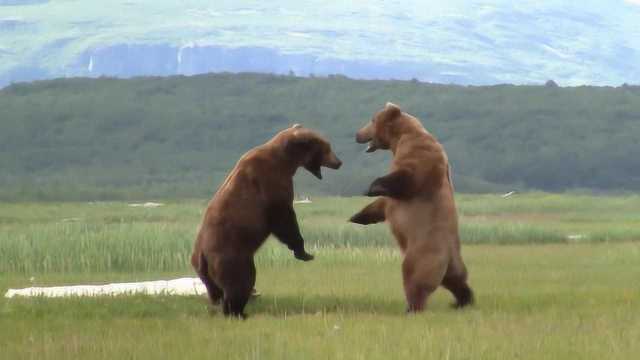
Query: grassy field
(556,277)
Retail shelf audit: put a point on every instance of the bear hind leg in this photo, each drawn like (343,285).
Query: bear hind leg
(421,276)
(234,303)
(214,291)
(455,281)
(238,283)
(416,296)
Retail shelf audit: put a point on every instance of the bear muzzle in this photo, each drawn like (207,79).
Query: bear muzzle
(333,163)
(364,136)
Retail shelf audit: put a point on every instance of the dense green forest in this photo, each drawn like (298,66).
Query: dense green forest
(93,139)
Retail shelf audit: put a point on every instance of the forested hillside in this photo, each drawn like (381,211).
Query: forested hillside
(85,139)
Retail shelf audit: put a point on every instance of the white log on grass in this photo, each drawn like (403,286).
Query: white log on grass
(182,286)
(146,205)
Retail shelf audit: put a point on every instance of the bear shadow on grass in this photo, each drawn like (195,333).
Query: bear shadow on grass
(295,305)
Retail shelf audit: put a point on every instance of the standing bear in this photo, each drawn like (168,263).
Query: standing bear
(416,199)
(254,201)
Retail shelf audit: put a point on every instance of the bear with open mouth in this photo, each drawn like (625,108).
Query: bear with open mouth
(416,199)
(254,201)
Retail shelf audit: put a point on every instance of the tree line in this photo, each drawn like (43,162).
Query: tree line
(172,137)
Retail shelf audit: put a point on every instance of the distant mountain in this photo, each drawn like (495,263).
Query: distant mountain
(462,42)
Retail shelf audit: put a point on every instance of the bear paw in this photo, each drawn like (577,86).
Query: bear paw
(303,255)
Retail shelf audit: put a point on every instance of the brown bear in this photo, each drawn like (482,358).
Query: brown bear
(254,201)
(416,198)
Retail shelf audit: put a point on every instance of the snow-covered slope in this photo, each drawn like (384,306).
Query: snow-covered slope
(467,42)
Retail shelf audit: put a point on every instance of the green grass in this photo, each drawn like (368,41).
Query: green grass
(550,301)
(535,299)
(113,237)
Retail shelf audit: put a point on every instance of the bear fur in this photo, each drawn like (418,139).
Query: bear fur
(254,201)
(416,199)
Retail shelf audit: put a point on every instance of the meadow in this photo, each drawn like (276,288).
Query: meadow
(556,277)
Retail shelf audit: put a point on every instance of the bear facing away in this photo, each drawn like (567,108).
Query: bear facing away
(254,201)
(416,199)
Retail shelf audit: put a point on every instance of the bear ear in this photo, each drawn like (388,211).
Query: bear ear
(389,104)
(304,147)
(299,143)
(392,110)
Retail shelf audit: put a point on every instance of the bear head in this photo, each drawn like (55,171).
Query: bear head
(383,128)
(309,150)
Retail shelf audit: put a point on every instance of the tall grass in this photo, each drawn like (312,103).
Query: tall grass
(113,237)
(95,248)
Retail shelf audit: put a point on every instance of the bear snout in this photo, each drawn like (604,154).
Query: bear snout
(362,137)
(334,162)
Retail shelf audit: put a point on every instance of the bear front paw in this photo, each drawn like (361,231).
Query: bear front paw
(376,189)
(303,255)
(360,219)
